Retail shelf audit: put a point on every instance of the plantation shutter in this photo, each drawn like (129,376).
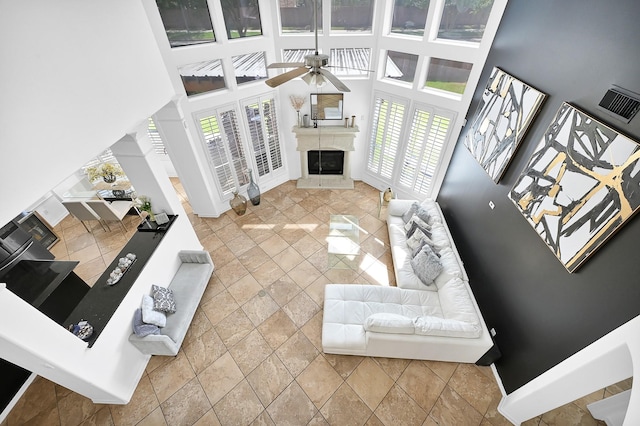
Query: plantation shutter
(385,137)
(273,135)
(156,140)
(254,121)
(427,136)
(262,122)
(224,146)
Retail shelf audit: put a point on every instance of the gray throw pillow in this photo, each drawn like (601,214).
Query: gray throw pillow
(426,265)
(409,213)
(417,223)
(141,328)
(418,210)
(163,300)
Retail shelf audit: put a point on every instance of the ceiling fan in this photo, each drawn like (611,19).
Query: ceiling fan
(312,67)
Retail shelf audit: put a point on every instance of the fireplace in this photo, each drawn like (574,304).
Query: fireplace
(325,162)
(325,148)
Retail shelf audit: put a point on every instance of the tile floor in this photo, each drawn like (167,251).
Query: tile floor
(253,352)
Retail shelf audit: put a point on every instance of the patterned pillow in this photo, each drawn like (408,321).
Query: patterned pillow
(414,223)
(426,265)
(163,300)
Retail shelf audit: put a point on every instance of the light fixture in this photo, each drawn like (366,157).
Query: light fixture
(314,78)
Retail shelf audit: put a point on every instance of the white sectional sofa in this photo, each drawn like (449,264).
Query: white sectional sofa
(440,321)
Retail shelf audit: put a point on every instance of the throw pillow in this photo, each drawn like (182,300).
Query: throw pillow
(426,265)
(389,323)
(163,299)
(151,316)
(418,236)
(407,215)
(414,223)
(140,328)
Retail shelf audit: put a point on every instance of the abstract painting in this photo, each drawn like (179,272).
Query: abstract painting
(580,185)
(507,109)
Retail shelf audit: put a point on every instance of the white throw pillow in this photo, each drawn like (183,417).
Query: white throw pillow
(389,323)
(151,316)
(435,326)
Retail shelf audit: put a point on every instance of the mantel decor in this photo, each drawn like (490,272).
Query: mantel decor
(507,109)
(580,185)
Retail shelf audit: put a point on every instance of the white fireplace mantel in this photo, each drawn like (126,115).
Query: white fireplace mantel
(324,138)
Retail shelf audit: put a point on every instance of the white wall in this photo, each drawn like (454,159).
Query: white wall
(75,77)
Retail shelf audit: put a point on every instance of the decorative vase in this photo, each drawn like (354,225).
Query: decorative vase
(305,120)
(253,190)
(299,119)
(353,121)
(346,122)
(110,178)
(238,203)
(387,195)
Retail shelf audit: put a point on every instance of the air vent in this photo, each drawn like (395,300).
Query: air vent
(620,103)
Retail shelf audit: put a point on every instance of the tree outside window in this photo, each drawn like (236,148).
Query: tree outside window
(464,20)
(409,17)
(186,22)
(242,18)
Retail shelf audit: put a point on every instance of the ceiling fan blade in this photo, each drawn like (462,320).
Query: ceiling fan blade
(286,65)
(283,78)
(334,80)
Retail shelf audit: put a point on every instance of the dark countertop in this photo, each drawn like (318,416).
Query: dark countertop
(101,302)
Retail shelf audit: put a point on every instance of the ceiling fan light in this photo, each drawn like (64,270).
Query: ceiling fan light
(308,78)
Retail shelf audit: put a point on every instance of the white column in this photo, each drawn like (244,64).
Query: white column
(189,159)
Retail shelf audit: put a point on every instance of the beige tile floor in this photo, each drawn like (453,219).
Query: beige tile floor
(253,352)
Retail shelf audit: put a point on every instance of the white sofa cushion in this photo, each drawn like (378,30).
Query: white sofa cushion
(456,303)
(435,326)
(383,322)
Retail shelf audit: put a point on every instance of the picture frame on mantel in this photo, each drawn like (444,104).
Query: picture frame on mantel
(580,185)
(327,106)
(507,109)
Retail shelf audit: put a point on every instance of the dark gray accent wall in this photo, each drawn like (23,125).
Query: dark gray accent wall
(573,50)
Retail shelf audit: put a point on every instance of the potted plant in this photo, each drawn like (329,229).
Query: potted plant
(109,172)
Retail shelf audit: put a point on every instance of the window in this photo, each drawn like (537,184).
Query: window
(296,16)
(408,156)
(427,136)
(409,17)
(156,140)
(450,76)
(202,77)
(464,20)
(242,18)
(296,55)
(186,22)
(227,157)
(249,67)
(385,137)
(265,139)
(349,16)
(350,61)
(400,66)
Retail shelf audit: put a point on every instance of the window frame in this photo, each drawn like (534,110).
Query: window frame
(407,127)
(240,180)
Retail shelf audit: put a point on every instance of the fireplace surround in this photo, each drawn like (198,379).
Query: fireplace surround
(325,138)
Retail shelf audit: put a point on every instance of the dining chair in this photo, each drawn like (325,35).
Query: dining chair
(82,212)
(111,211)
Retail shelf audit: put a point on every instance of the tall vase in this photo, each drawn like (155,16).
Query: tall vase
(299,124)
(253,190)
(238,203)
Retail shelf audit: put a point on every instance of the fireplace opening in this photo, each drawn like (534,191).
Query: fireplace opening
(325,162)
